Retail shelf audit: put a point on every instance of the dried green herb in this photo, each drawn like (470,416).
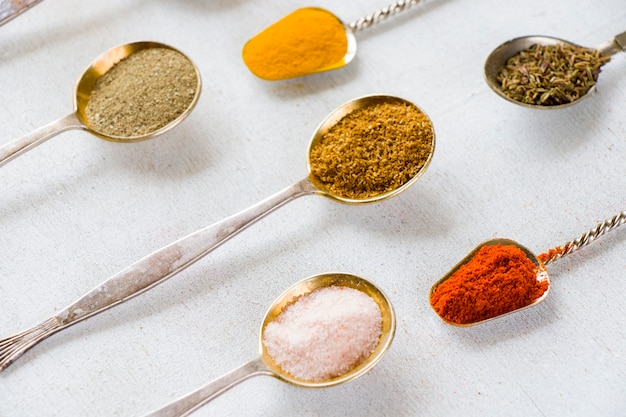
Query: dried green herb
(373,150)
(549,75)
(142,93)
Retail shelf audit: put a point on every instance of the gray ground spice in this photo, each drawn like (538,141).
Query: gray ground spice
(550,75)
(142,93)
(373,150)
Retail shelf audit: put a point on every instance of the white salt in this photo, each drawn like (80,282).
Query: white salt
(325,333)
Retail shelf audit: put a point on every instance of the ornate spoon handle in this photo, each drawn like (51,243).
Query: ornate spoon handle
(149,271)
(586,238)
(381,14)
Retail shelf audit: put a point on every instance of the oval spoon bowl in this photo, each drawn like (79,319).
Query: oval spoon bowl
(501,55)
(101,65)
(327,280)
(334,117)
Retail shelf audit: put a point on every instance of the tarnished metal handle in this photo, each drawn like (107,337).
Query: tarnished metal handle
(189,403)
(381,14)
(585,239)
(617,44)
(149,271)
(10,9)
(13,149)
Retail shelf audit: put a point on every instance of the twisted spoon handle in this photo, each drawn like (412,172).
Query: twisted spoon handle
(381,14)
(38,136)
(586,238)
(149,271)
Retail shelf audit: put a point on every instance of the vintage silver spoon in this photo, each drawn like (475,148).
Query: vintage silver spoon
(265,365)
(541,261)
(350,30)
(82,92)
(502,53)
(173,258)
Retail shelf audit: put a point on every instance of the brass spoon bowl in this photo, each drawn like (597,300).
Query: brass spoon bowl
(542,275)
(541,261)
(173,258)
(502,53)
(265,365)
(350,30)
(82,92)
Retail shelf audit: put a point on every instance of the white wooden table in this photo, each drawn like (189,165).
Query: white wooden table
(77,209)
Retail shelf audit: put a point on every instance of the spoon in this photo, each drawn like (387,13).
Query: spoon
(540,261)
(82,92)
(502,53)
(265,364)
(173,258)
(11,9)
(350,31)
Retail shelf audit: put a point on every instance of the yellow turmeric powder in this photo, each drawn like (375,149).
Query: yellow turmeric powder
(306,41)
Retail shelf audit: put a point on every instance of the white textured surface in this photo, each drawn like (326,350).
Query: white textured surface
(76,210)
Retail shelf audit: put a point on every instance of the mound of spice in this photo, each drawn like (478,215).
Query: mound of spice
(551,75)
(142,93)
(373,150)
(306,41)
(325,333)
(498,279)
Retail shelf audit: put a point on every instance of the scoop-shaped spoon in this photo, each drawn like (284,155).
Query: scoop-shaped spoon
(83,90)
(266,365)
(286,50)
(499,57)
(173,258)
(541,273)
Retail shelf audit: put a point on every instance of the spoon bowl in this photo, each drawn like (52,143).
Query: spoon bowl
(281,51)
(541,275)
(82,93)
(502,53)
(265,364)
(311,284)
(332,119)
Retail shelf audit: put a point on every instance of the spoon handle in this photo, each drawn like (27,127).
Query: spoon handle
(13,149)
(149,271)
(11,8)
(381,14)
(196,399)
(586,238)
(612,47)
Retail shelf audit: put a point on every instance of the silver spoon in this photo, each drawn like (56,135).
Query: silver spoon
(541,261)
(502,53)
(350,30)
(265,365)
(173,258)
(82,92)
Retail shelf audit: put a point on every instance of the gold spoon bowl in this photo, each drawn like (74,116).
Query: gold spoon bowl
(541,275)
(82,92)
(265,364)
(310,45)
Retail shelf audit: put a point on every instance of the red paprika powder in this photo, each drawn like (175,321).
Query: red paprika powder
(496,280)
